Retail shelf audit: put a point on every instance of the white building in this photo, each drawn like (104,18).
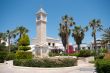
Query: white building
(41,44)
(4,42)
(100,45)
(82,46)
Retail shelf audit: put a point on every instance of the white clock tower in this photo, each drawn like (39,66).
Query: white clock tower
(41,45)
(41,27)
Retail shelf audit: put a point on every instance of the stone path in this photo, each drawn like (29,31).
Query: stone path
(83,67)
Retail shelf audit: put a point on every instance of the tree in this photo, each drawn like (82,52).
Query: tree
(95,24)
(78,34)
(106,34)
(21,30)
(65,31)
(10,35)
(24,40)
(104,43)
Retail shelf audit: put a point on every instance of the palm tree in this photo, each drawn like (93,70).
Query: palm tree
(21,30)
(106,34)
(10,35)
(65,31)
(78,34)
(95,24)
(8,39)
(104,43)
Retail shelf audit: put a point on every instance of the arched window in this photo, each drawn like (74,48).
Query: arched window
(49,44)
(53,44)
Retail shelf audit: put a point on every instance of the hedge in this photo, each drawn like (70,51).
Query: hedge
(24,48)
(102,66)
(2,56)
(10,56)
(73,54)
(51,54)
(85,53)
(45,62)
(23,55)
(81,53)
(3,47)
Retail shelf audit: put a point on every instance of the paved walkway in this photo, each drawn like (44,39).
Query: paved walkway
(83,67)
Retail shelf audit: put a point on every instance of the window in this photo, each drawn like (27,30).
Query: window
(53,44)
(89,48)
(49,44)
(83,48)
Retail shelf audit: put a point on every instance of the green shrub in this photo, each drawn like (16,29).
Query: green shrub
(102,66)
(102,50)
(51,54)
(2,56)
(13,48)
(3,47)
(93,53)
(73,54)
(84,53)
(23,55)
(56,50)
(100,56)
(45,62)
(10,56)
(24,48)
(24,40)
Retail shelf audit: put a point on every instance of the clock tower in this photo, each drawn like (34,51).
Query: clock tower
(41,48)
(41,19)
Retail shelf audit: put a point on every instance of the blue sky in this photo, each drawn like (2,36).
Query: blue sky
(14,13)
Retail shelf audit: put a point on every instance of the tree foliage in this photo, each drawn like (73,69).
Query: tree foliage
(106,34)
(24,40)
(95,24)
(21,30)
(65,31)
(78,34)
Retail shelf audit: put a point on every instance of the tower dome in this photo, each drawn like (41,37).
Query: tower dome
(41,11)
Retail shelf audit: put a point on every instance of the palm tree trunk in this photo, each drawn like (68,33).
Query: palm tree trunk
(9,44)
(67,48)
(78,47)
(95,46)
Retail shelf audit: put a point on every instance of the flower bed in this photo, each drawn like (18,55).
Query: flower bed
(46,62)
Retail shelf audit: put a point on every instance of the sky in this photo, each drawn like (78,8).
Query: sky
(14,13)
